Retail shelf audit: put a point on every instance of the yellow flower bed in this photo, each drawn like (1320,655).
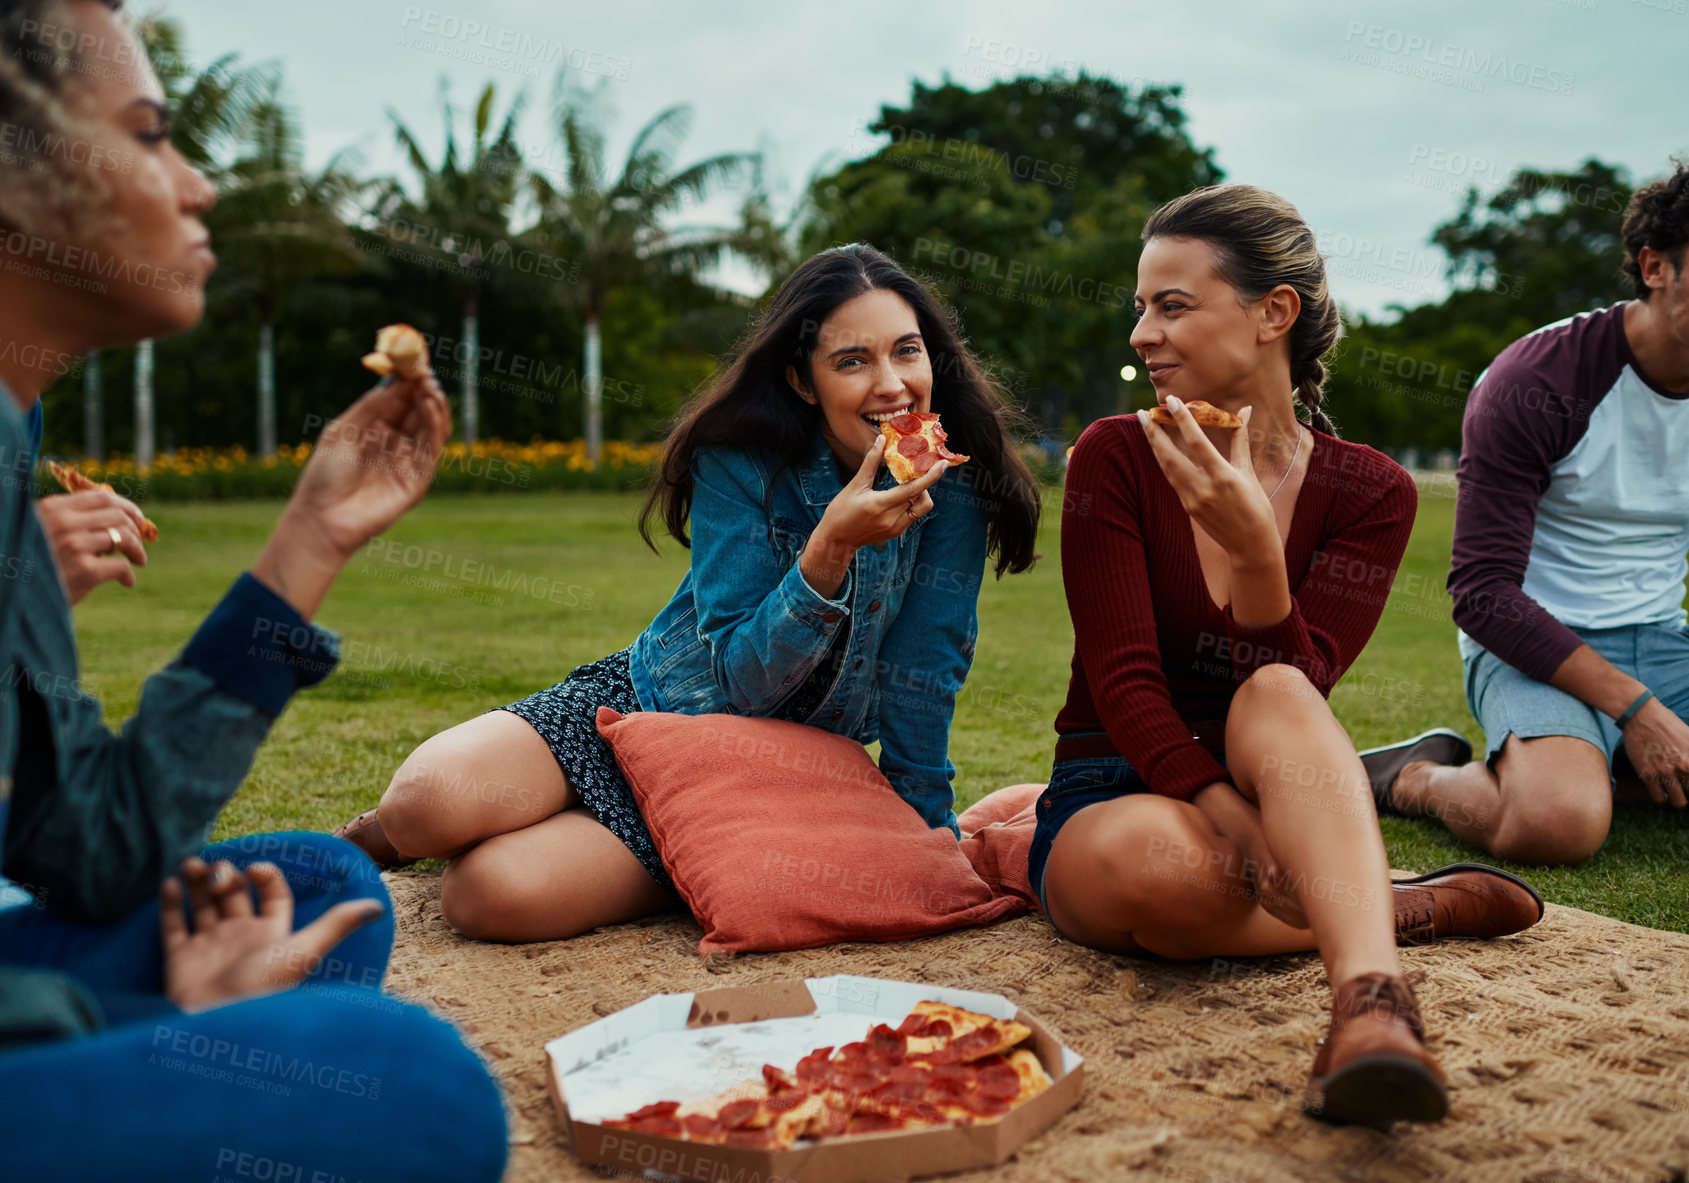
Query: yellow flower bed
(491,465)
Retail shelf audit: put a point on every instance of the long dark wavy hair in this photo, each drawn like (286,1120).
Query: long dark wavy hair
(750,405)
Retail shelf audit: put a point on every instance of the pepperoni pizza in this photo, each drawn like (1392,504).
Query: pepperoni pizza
(941,1066)
(914,443)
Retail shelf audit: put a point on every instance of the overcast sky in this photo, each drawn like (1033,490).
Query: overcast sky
(1372,117)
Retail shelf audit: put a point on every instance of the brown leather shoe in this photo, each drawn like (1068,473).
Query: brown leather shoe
(365,832)
(1373,1068)
(1463,900)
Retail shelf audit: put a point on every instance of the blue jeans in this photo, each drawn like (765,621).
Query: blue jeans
(332,1080)
(1074,785)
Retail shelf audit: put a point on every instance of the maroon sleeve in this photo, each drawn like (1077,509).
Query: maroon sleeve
(1518,423)
(1106,579)
(1338,602)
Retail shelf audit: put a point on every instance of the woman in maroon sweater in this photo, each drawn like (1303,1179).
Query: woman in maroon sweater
(1220,581)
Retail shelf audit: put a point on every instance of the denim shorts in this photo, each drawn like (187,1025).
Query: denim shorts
(1074,784)
(1507,702)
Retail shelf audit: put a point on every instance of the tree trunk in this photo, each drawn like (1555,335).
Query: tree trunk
(471,371)
(593,388)
(266,389)
(93,407)
(143,406)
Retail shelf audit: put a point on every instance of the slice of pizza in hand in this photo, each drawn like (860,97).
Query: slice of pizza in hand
(1206,415)
(914,443)
(399,350)
(71,480)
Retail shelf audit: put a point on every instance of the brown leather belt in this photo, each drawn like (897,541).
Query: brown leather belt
(1210,733)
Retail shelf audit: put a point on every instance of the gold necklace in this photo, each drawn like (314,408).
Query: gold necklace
(1297,451)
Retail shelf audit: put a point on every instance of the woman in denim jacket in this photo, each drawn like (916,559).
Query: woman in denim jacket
(820,591)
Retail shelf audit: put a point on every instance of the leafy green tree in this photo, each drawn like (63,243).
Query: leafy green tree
(1023,203)
(615,231)
(1543,247)
(278,229)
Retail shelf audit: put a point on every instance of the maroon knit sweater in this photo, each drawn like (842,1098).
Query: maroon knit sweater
(1153,654)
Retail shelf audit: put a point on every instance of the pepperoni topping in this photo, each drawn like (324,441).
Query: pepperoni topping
(971,1045)
(883,1040)
(912,445)
(907,423)
(738,1113)
(779,1080)
(945,453)
(816,1066)
(782,1102)
(702,1125)
(874,1123)
(912,1024)
(655,1109)
(982,1106)
(924,461)
(857,1082)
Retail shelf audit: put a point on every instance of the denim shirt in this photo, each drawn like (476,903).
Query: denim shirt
(744,628)
(91,821)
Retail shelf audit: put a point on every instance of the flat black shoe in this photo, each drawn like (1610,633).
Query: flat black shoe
(1384,765)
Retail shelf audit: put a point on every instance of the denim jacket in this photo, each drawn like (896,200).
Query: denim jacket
(744,628)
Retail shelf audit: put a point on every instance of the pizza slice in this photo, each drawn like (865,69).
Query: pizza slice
(400,350)
(749,1114)
(914,443)
(72,480)
(931,1025)
(1206,415)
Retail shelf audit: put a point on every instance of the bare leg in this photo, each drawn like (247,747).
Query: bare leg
(549,881)
(1146,873)
(1551,803)
(1287,751)
(491,775)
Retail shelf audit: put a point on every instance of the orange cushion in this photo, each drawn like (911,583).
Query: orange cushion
(781,836)
(997,837)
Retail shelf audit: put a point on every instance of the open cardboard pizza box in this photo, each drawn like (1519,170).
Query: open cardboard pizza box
(684,1047)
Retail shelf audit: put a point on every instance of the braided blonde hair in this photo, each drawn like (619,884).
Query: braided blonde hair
(1261,241)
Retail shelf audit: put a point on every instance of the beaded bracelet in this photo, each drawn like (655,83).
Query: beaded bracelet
(1630,711)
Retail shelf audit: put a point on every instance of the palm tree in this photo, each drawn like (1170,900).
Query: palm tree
(613,228)
(465,204)
(210,111)
(277,228)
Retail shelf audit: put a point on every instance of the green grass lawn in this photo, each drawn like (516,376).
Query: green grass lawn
(429,641)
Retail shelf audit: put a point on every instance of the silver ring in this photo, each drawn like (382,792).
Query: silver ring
(116,540)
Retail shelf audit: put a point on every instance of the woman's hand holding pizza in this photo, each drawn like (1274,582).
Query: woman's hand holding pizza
(374,462)
(861,515)
(371,465)
(1221,493)
(96,536)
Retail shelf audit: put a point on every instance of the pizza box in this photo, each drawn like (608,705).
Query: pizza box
(683,1047)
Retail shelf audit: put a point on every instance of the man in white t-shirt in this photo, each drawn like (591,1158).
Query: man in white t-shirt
(1570,538)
